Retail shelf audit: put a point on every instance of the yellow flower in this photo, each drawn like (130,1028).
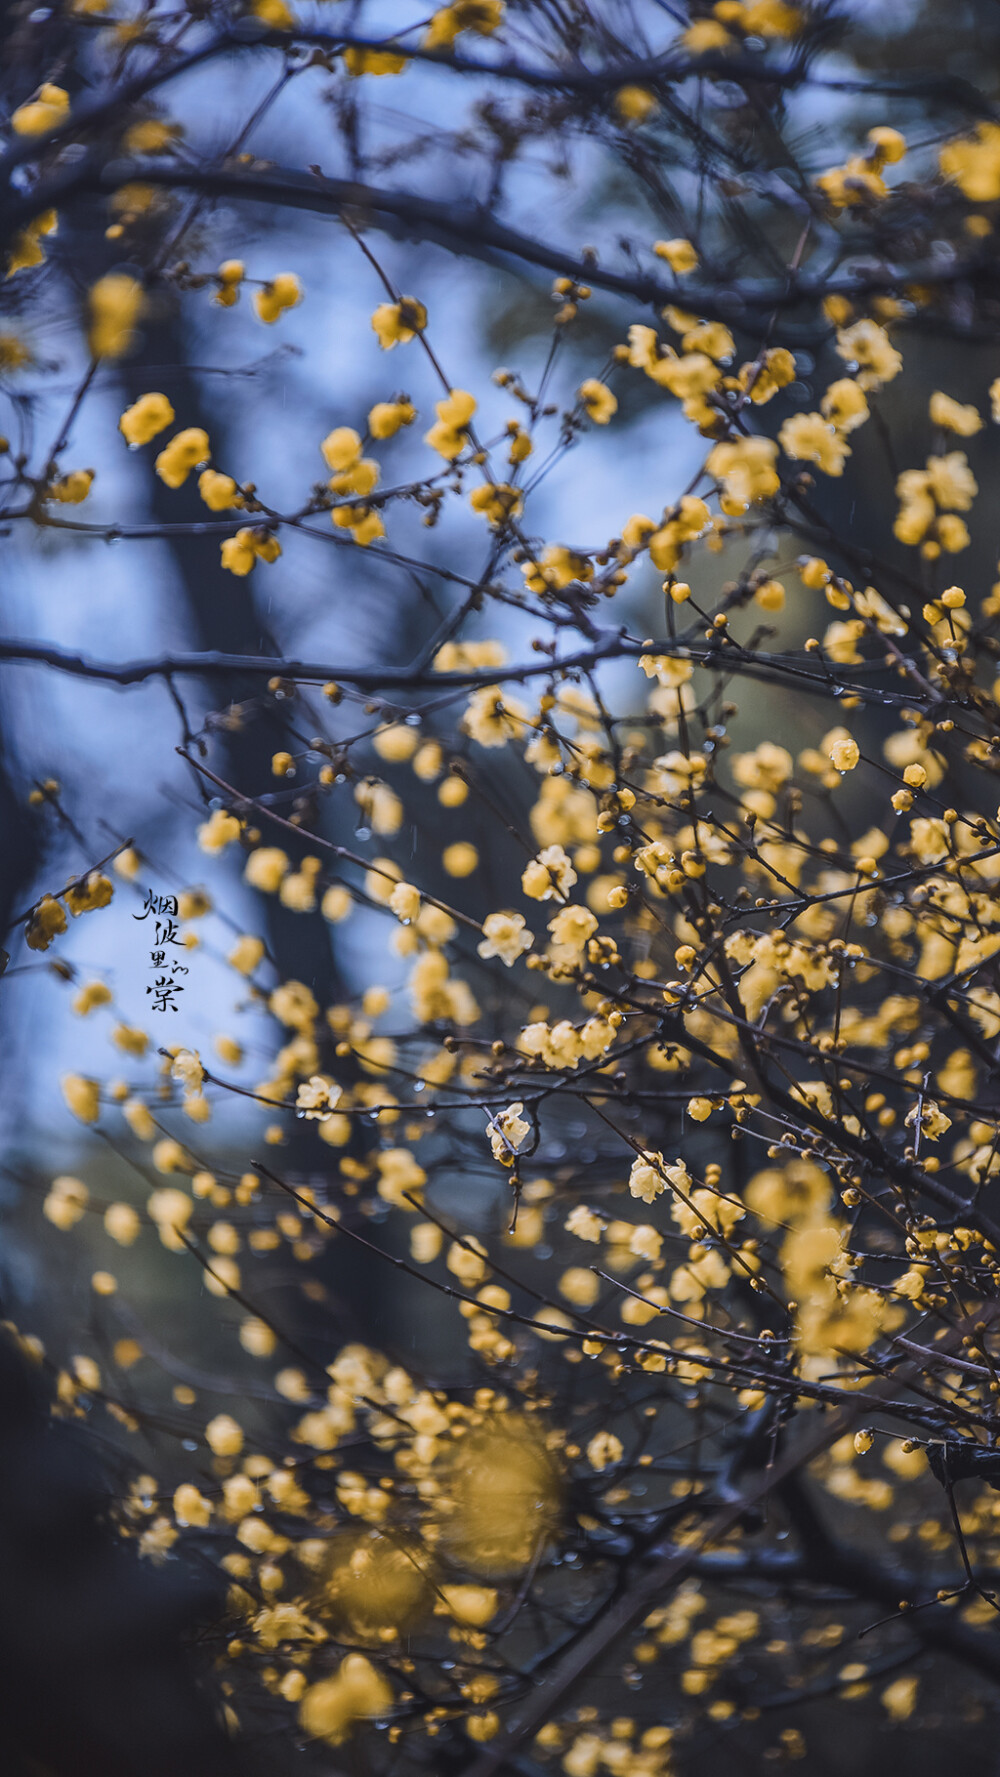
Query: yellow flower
(571,928)
(604,1450)
(293,1005)
(265,868)
(122,1223)
(147,416)
(867,345)
(218,831)
(598,400)
(579,1286)
(274,13)
(246,954)
(454,413)
(705,35)
(507,1130)
(183,453)
(230,275)
(186,1067)
(764,379)
(746,469)
(386,417)
(357,1691)
(218,491)
(492,718)
(679,255)
(709,337)
(317,1097)
(169,1208)
(953,416)
(503,1493)
(505,935)
(497,501)
(484,16)
(48,109)
(461,858)
(190,1506)
(341,448)
(472,1605)
(770,596)
(240,553)
(772,18)
(71,489)
(557,568)
(152,135)
(844,405)
(26,249)
(336,903)
(404,902)
(224,1435)
(841,749)
(900,1697)
(951,481)
(82,1096)
(93,993)
(66,1201)
(973,163)
(283,292)
(810,437)
(635,103)
(115,304)
(397,322)
(46,921)
(15,353)
(373,61)
(646,1179)
(382,808)
(89,893)
(551,873)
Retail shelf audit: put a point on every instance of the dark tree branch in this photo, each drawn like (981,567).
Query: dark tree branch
(610,645)
(468,228)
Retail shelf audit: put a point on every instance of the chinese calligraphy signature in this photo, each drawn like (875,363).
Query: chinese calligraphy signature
(167,986)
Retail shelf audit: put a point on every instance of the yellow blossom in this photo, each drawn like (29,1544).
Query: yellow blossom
(952,416)
(746,469)
(46,921)
(330,1708)
(115,304)
(397,322)
(548,875)
(386,417)
(505,935)
(817,440)
(283,292)
(183,453)
(147,416)
(867,345)
(507,1131)
(679,255)
(48,109)
(646,1179)
(597,398)
(448,436)
(973,163)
